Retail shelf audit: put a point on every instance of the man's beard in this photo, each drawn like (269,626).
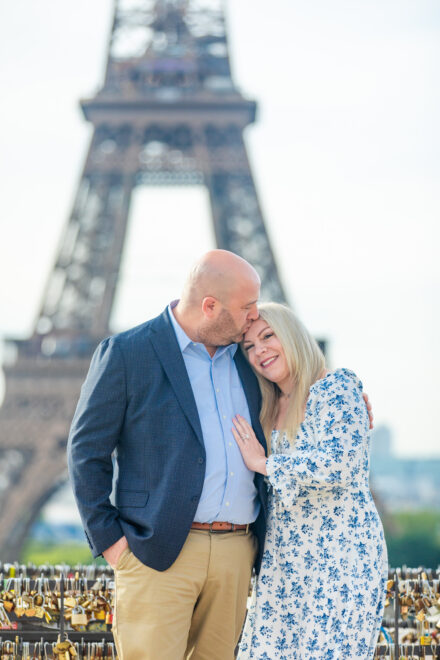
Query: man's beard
(222,332)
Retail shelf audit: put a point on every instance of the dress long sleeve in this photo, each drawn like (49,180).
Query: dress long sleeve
(332,457)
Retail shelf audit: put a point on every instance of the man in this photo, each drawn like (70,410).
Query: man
(163,396)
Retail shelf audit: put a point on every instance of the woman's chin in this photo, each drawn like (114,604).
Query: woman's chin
(269,376)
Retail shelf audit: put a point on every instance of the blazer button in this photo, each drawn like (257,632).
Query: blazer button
(194,498)
(201,460)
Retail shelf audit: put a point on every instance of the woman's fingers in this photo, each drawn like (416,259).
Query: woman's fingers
(243,427)
(237,436)
(247,427)
(237,424)
(240,428)
(369,409)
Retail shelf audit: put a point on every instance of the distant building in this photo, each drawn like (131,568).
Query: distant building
(410,484)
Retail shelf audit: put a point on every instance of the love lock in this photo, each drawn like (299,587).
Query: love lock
(64,650)
(79,616)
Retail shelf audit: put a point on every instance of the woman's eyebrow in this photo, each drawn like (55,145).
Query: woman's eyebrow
(263,330)
(248,341)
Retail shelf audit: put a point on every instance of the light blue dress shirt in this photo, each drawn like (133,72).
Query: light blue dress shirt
(228,493)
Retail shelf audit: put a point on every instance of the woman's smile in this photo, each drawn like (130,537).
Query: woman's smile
(268,361)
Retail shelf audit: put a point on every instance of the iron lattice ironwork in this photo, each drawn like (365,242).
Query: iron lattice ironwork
(167,113)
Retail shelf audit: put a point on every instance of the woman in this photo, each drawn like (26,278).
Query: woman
(321,590)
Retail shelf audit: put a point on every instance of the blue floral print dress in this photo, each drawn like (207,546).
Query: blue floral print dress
(321,590)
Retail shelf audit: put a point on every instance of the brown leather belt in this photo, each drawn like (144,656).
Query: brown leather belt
(219,526)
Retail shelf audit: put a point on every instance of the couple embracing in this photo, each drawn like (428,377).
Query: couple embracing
(229,458)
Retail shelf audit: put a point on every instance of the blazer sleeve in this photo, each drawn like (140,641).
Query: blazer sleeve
(94,434)
(335,453)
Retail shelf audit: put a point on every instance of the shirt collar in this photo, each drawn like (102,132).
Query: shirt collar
(184,341)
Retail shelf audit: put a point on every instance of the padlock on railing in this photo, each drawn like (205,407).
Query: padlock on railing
(79,617)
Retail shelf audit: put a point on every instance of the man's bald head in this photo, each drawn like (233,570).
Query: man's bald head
(220,274)
(219,300)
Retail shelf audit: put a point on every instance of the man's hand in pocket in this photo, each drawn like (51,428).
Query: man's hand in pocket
(112,554)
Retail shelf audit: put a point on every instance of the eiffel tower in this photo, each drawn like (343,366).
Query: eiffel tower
(167,113)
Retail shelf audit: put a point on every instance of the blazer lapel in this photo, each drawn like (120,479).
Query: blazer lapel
(168,351)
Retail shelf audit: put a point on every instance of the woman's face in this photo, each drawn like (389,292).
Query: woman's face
(266,354)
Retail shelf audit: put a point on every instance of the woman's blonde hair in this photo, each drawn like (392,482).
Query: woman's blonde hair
(305,361)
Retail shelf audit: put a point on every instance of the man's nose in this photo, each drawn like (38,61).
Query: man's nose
(253,313)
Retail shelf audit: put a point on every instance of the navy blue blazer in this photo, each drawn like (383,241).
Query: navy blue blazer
(137,400)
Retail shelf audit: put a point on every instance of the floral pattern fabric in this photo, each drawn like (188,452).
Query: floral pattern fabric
(321,589)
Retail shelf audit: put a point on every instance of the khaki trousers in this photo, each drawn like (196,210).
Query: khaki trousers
(194,610)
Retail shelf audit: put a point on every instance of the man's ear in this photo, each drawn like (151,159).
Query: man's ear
(210,306)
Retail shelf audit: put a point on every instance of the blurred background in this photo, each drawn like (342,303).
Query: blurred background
(344,156)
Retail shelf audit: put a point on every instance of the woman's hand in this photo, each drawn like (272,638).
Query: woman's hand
(251,450)
(369,409)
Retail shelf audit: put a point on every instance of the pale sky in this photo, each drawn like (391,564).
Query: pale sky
(345,153)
